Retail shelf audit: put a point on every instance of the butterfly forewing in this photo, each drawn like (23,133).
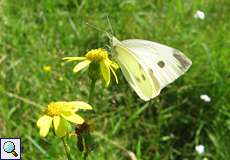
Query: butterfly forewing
(166,63)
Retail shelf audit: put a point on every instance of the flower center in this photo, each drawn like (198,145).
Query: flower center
(97,54)
(53,109)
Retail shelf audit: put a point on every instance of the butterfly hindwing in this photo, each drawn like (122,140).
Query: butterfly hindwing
(136,75)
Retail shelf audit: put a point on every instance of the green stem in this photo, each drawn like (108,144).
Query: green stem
(92,89)
(66,149)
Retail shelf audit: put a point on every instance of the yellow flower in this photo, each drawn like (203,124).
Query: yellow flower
(57,114)
(47,68)
(100,55)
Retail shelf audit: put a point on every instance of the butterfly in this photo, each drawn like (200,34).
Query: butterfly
(149,66)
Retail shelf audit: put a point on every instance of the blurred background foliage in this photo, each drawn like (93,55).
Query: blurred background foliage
(38,33)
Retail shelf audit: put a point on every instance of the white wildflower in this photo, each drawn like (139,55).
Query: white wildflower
(205,98)
(199,15)
(199,149)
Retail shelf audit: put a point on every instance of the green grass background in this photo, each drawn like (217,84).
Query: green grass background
(34,33)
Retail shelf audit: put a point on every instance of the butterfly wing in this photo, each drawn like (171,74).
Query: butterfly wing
(135,72)
(166,63)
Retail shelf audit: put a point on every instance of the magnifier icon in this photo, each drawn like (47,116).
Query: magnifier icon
(9,147)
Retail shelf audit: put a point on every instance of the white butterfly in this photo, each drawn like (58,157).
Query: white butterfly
(149,66)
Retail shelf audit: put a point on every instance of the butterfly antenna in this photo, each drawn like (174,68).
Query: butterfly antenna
(110,26)
(109,35)
(97,28)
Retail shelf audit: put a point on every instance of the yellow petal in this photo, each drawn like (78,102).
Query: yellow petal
(72,117)
(105,72)
(73,106)
(114,74)
(44,124)
(81,65)
(60,126)
(69,59)
(113,64)
(42,120)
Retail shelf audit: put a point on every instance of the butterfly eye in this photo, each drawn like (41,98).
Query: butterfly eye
(184,63)
(161,64)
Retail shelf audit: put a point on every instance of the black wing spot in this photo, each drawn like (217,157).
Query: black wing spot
(138,79)
(140,67)
(155,81)
(143,77)
(184,63)
(161,64)
(151,73)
